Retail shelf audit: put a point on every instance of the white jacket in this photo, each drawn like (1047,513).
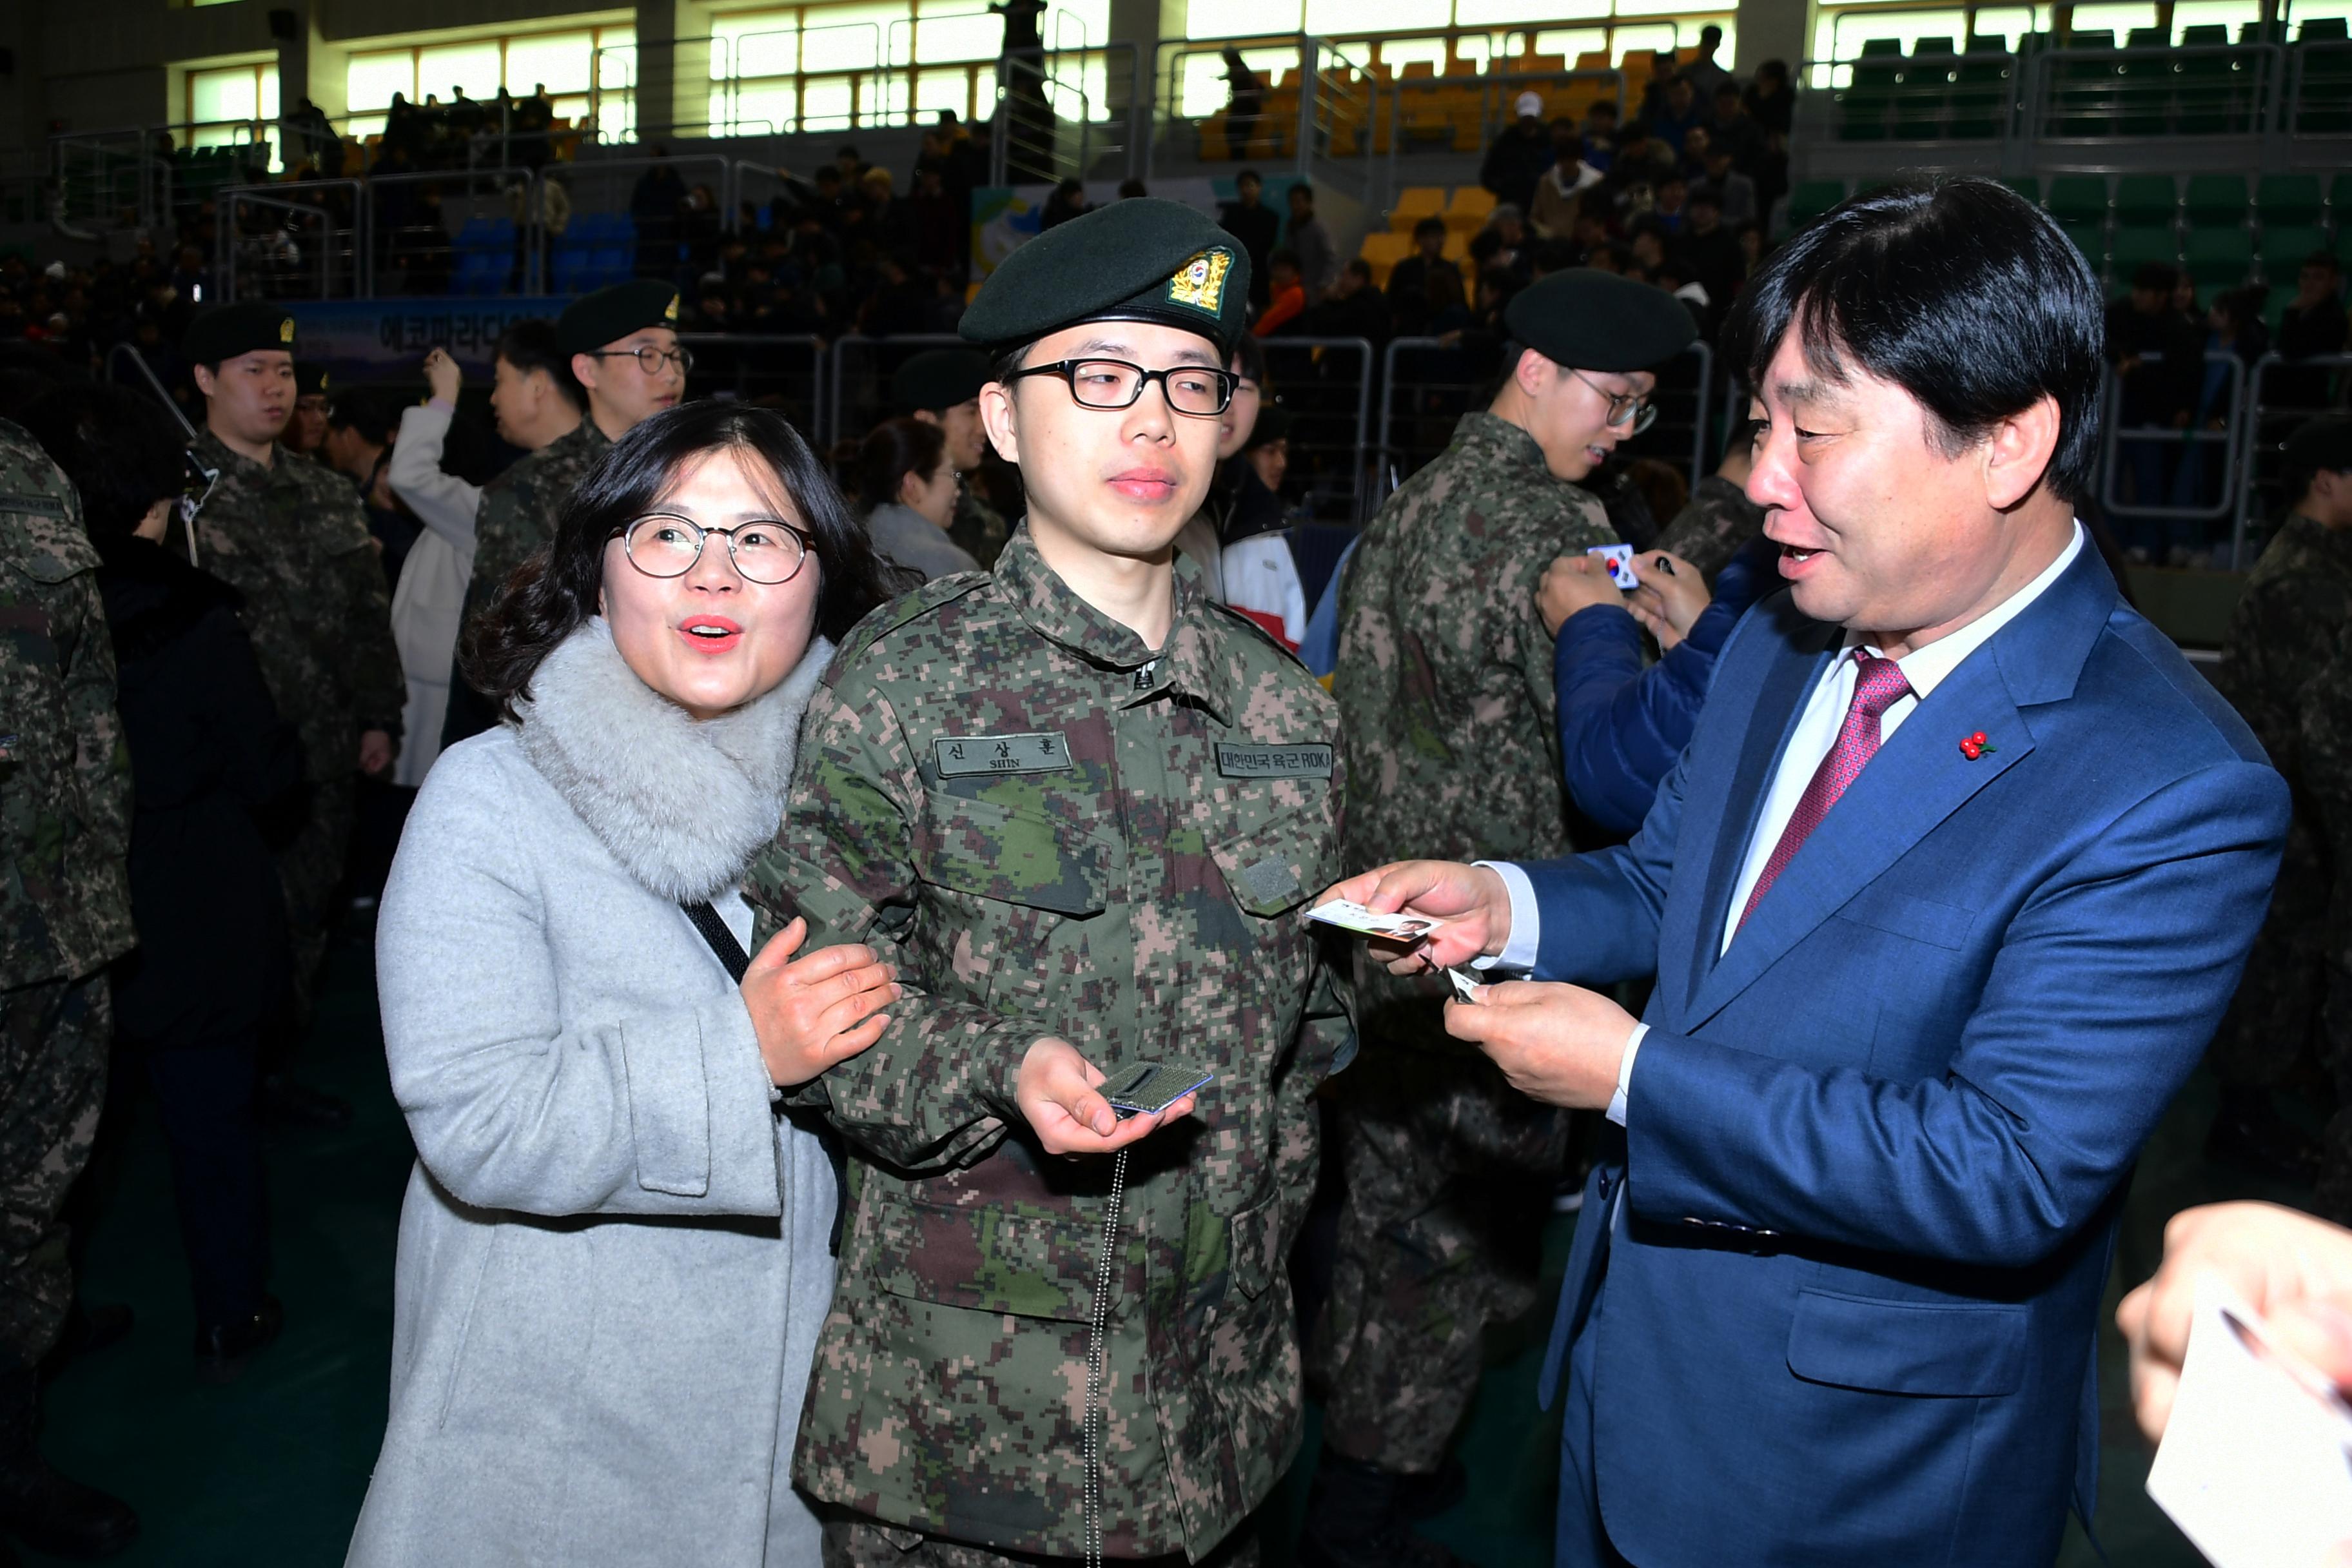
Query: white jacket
(429,600)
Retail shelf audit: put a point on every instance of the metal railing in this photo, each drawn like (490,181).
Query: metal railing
(1326,386)
(786,372)
(2149,446)
(318,251)
(2262,444)
(858,397)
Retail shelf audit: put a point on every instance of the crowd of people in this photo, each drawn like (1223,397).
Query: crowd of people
(846,967)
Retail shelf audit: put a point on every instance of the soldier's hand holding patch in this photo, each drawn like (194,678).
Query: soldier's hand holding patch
(811,1012)
(1058,1091)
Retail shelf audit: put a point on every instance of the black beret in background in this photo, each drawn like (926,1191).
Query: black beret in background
(309,378)
(1143,259)
(1589,320)
(1272,425)
(938,379)
(608,315)
(2320,445)
(225,331)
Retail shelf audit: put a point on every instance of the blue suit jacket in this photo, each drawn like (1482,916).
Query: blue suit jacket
(1873,1154)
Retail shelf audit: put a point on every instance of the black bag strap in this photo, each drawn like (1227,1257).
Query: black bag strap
(722,940)
(738,964)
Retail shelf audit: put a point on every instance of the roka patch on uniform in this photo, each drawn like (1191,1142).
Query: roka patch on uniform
(1241,762)
(1201,282)
(1035,753)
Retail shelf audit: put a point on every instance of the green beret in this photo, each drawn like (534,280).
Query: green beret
(938,379)
(2320,445)
(1589,320)
(608,315)
(1142,260)
(309,378)
(225,331)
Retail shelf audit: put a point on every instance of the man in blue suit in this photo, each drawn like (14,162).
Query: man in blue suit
(1943,900)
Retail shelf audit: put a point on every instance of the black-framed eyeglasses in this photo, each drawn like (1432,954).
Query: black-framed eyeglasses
(650,359)
(1623,405)
(767,552)
(1115,384)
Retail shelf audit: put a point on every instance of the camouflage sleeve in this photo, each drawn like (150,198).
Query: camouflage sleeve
(1327,1032)
(2262,694)
(502,542)
(372,672)
(936,1091)
(102,752)
(1520,642)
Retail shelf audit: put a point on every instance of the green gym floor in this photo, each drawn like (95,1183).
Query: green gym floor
(270,1470)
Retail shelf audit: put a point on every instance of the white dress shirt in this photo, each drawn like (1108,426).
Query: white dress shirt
(1808,744)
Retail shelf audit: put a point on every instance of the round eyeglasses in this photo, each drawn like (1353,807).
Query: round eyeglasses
(662,544)
(1116,384)
(650,359)
(1623,405)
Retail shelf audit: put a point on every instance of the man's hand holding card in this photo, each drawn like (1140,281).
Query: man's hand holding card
(1435,913)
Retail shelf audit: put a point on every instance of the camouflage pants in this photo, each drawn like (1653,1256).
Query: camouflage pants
(864,1543)
(1450,1176)
(310,868)
(2273,1021)
(54,1037)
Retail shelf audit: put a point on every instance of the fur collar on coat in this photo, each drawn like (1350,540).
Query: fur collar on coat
(684,804)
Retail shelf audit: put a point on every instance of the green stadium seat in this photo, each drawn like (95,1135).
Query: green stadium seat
(2288,199)
(2204,34)
(2105,40)
(2323,30)
(2026,185)
(2221,256)
(2146,199)
(2134,246)
(1928,48)
(2147,38)
(2282,249)
(1981,94)
(2339,200)
(2324,104)
(1812,198)
(2074,197)
(1873,48)
(2218,199)
(2090,237)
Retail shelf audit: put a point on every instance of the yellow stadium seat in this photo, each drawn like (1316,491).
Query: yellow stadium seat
(1421,71)
(1413,204)
(1597,60)
(1384,251)
(1468,211)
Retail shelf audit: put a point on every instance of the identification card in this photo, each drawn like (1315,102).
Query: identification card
(1251,762)
(1618,561)
(1146,1087)
(1039,752)
(1356,918)
(2256,1463)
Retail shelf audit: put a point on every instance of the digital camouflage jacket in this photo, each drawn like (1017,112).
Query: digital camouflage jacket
(65,767)
(293,539)
(516,519)
(1052,832)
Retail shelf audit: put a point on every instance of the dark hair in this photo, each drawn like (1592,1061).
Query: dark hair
(2159,276)
(892,450)
(1428,226)
(365,410)
(1962,293)
(532,345)
(2321,258)
(122,451)
(1128,188)
(1359,267)
(1303,189)
(2243,307)
(1249,353)
(1248,174)
(550,595)
(1283,256)
(1601,103)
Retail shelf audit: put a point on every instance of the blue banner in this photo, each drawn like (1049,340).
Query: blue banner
(387,339)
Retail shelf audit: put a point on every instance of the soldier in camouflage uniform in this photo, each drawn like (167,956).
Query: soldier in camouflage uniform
(1082,809)
(2297,600)
(626,355)
(1451,746)
(1719,518)
(65,913)
(290,535)
(941,387)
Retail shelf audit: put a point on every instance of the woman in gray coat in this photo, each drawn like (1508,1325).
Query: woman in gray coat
(613,1253)
(903,475)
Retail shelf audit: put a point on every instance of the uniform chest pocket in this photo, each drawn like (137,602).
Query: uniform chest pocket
(1276,865)
(1008,854)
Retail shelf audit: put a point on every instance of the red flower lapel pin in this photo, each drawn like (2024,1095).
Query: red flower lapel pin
(1976,745)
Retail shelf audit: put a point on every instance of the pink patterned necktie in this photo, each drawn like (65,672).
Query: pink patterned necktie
(1878,685)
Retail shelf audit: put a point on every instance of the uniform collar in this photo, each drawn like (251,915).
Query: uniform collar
(1504,440)
(215,450)
(1189,664)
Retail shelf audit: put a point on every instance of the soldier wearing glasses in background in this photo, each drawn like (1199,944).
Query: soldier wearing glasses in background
(626,355)
(1446,691)
(1080,807)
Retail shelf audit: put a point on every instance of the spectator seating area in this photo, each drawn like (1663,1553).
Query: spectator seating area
(595,250)
(2098,86)
(1457,110)
(2226,230)
(1465,210)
